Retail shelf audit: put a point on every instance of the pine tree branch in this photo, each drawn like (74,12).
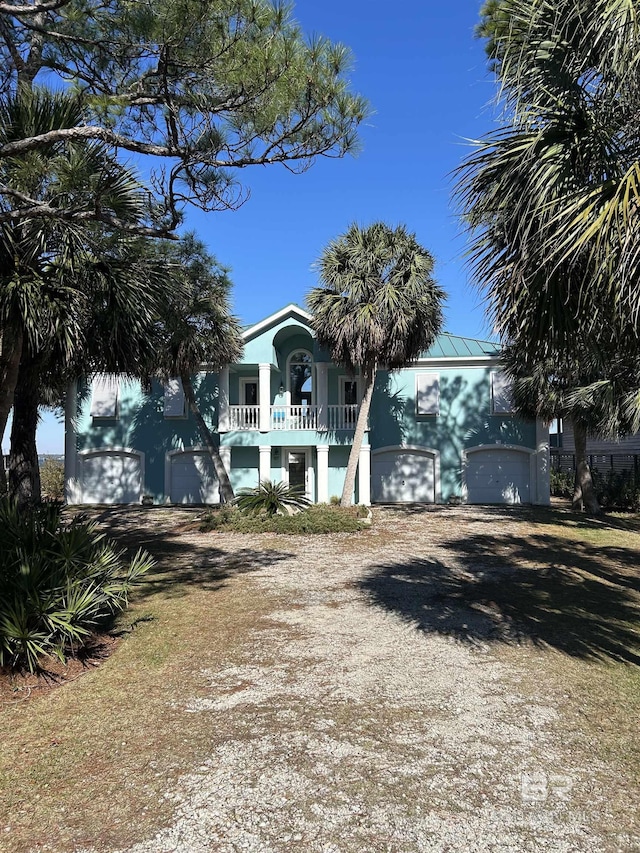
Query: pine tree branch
(32,8)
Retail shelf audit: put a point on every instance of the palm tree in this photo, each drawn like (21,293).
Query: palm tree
(557,189)
(74,292)
(42,253)
(377,306)
(93,324)
(592,393)
(198,329)
(551,208)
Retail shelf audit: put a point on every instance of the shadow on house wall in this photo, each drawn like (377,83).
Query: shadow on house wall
(464,420)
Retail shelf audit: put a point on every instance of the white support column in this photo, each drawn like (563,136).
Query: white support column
(364,475)
(223,400)
(71,484)
(322,394)
(322,451)
(264,396)
(264,470)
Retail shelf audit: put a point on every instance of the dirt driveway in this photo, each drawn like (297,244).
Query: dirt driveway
(406,692)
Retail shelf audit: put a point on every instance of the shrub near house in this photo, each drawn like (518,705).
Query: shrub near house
(316,519)
(58,582)
(52,478)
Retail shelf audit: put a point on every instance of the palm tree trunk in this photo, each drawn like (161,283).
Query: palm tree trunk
(226,489)
(358,435)
(24,469)
(584,496)
(10,355)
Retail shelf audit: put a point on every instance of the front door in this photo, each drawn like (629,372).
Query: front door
(249,398)
(250,392)
(297,470)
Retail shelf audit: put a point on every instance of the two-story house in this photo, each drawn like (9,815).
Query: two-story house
(439,430)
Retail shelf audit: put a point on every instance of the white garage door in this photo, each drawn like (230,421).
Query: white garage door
(498,477)
(111,478)
(399,476)
(193,479)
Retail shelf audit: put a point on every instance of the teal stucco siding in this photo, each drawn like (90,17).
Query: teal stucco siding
(464,420)
(142,446)
(140,425)
(244,467)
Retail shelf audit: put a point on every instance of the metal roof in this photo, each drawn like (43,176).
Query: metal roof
(453,346)
(446,345)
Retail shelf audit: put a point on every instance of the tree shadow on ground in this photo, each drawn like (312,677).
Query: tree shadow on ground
(487,514)
(184,556)
(578,599)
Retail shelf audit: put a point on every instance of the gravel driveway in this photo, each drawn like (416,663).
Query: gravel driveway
(367,715)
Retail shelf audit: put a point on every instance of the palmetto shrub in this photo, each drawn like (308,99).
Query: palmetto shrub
(617,489)
(271,499)
(316,519)
(57,583)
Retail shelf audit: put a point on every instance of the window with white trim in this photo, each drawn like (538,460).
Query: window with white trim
(300,378)
(348,391)
(427,394)
(174,401)
(104,396)
(249,391)
(501,394)
(349,398)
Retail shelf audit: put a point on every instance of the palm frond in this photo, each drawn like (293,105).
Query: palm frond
(377,299)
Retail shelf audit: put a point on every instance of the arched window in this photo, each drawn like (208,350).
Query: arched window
(300,378)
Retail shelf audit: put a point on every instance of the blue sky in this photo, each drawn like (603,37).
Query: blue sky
(425,76)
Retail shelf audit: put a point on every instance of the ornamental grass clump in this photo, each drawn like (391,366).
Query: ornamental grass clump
(271,499)
(58,582)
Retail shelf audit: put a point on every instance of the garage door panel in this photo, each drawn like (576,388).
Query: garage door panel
(111,478)
(403,477)
(193,479)
(498,476)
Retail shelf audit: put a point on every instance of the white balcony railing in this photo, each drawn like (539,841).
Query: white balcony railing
(295,418)
(342,417)
(244,417)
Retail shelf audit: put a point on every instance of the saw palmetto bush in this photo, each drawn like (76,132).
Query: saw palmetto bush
(58,582)
(271,498)
(316,519)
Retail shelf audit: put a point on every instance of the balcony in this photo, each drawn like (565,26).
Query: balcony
(244,417)
(295,418)
(342,417)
